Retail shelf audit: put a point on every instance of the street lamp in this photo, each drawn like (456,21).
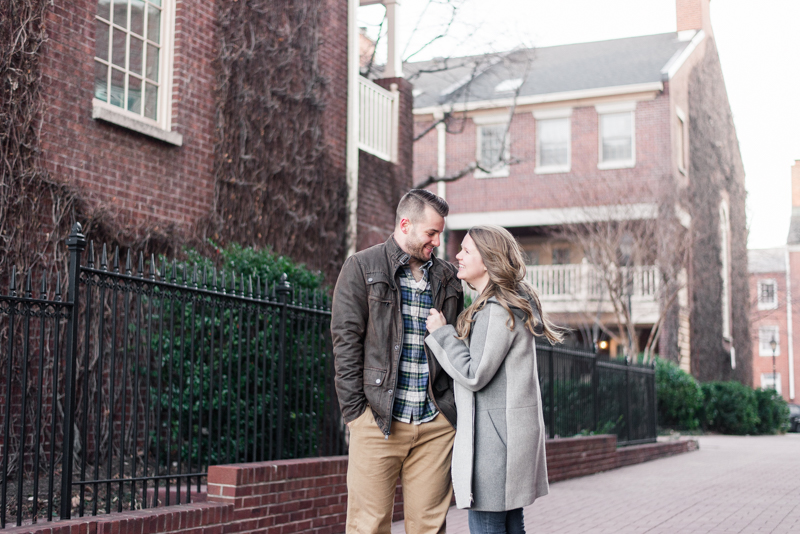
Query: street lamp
(774,345)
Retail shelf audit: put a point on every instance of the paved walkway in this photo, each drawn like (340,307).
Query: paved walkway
(732,484)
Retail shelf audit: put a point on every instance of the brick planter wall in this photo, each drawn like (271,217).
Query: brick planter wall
(310,495)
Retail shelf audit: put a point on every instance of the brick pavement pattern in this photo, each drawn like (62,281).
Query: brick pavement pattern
(738,484)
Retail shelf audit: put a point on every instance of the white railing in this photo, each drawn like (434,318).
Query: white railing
(377,119)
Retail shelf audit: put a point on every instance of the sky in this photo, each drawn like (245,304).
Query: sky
(758,43)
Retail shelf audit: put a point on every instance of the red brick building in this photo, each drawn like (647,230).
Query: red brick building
(134,120)
(631,128)
(774,279)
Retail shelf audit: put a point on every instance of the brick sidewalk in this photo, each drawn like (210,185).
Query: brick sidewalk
(732,484)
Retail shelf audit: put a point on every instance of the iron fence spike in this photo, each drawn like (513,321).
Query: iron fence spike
(258,286)
(163,272)
(205,276)
(116,259)
(58,285)
(222,284)
(141,264)
(194,276)
(173,278)
(90,259)
(104,258)
(241,284)
(250,285)
(214,272)
(28,288)
(128,269)
(12,289)
(151,271)
(44,284)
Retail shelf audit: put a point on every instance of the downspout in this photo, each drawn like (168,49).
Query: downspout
(351,150)
(789,342)
(441,169)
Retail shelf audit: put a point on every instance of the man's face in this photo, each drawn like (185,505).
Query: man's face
(423,236)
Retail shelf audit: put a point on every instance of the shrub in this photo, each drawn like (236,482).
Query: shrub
(773,412)
(679,397)
(730,408)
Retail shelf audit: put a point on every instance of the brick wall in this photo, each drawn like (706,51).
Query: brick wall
(142,178)
(584,185)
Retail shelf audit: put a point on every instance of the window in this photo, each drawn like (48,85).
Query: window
(681,148)
(132,67)
(553,140)
(560,256)
(767,295)
(765,335)
(493,152)
(771,381)
(617,140)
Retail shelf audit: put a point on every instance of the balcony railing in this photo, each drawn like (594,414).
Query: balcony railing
(580,288)
(378,115)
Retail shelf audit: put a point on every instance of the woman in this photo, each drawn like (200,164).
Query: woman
(498,461)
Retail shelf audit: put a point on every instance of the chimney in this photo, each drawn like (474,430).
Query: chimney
(693,15)
(796,185)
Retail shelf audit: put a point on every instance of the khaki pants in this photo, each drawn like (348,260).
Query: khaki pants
(419,454)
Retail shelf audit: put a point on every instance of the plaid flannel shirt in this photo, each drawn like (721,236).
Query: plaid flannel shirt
(411,402)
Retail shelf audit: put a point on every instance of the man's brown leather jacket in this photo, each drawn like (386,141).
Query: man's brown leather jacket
(367,330)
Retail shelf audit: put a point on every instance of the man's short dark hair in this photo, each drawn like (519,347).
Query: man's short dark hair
(413,203)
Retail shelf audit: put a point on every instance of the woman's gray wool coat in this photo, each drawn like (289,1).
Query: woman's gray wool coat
(498,457)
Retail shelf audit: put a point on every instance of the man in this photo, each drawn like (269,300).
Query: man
(394,396)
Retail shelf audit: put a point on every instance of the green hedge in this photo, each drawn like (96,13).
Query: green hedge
(725,407)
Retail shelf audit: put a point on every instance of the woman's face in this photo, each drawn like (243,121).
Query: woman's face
(470,264)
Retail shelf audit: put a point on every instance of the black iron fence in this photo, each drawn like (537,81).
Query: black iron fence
(582,394)
(122,395)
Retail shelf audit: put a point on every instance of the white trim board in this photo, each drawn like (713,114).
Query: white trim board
(549,217)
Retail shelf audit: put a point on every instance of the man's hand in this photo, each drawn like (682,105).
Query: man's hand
(435,320)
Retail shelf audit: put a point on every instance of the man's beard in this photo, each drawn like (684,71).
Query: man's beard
(416,249)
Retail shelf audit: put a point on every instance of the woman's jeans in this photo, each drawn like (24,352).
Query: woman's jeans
(510,522)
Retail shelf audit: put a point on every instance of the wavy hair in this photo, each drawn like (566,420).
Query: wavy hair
(505,263)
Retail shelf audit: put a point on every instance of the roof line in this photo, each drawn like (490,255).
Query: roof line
(679,58)
(544,98)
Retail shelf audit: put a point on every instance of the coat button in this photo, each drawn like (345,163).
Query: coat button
(369,279)
(396,347)
(389,392)
(377,380)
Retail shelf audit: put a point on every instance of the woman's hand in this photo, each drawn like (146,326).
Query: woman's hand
(435,320)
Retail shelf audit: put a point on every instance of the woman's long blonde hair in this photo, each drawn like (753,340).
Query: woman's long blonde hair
(505,263)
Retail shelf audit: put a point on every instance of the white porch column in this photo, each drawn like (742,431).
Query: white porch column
(394,61)
(351,150)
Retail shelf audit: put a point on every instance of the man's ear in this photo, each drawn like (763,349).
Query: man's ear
(405,225)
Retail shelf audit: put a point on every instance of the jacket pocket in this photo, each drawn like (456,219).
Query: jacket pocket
(379,287)
(373,377)
(498,419)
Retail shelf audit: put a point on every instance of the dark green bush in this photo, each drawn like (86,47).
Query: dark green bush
(730,408)
(773,412)
(680,398)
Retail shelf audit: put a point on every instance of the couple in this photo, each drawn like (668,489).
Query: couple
(408,357)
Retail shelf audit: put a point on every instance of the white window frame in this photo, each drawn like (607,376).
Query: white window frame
(492,120)
(161,128)
(765,334)
(609,109)
(767,380)
(550,114)
(683,137)
(762,305)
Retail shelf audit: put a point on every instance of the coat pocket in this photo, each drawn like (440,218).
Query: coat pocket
(498,419)
(373,377)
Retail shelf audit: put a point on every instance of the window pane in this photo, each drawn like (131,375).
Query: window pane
(118,48)
(137,17)
(152,62)
(117,96)
(560,256)
(553,142)
(151,101)
(155,2)
(101,40)
(104,9)
(134,94)
(137,46)
(616,130)
(491,145)
(100,81)
(154,24)
(121,13)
